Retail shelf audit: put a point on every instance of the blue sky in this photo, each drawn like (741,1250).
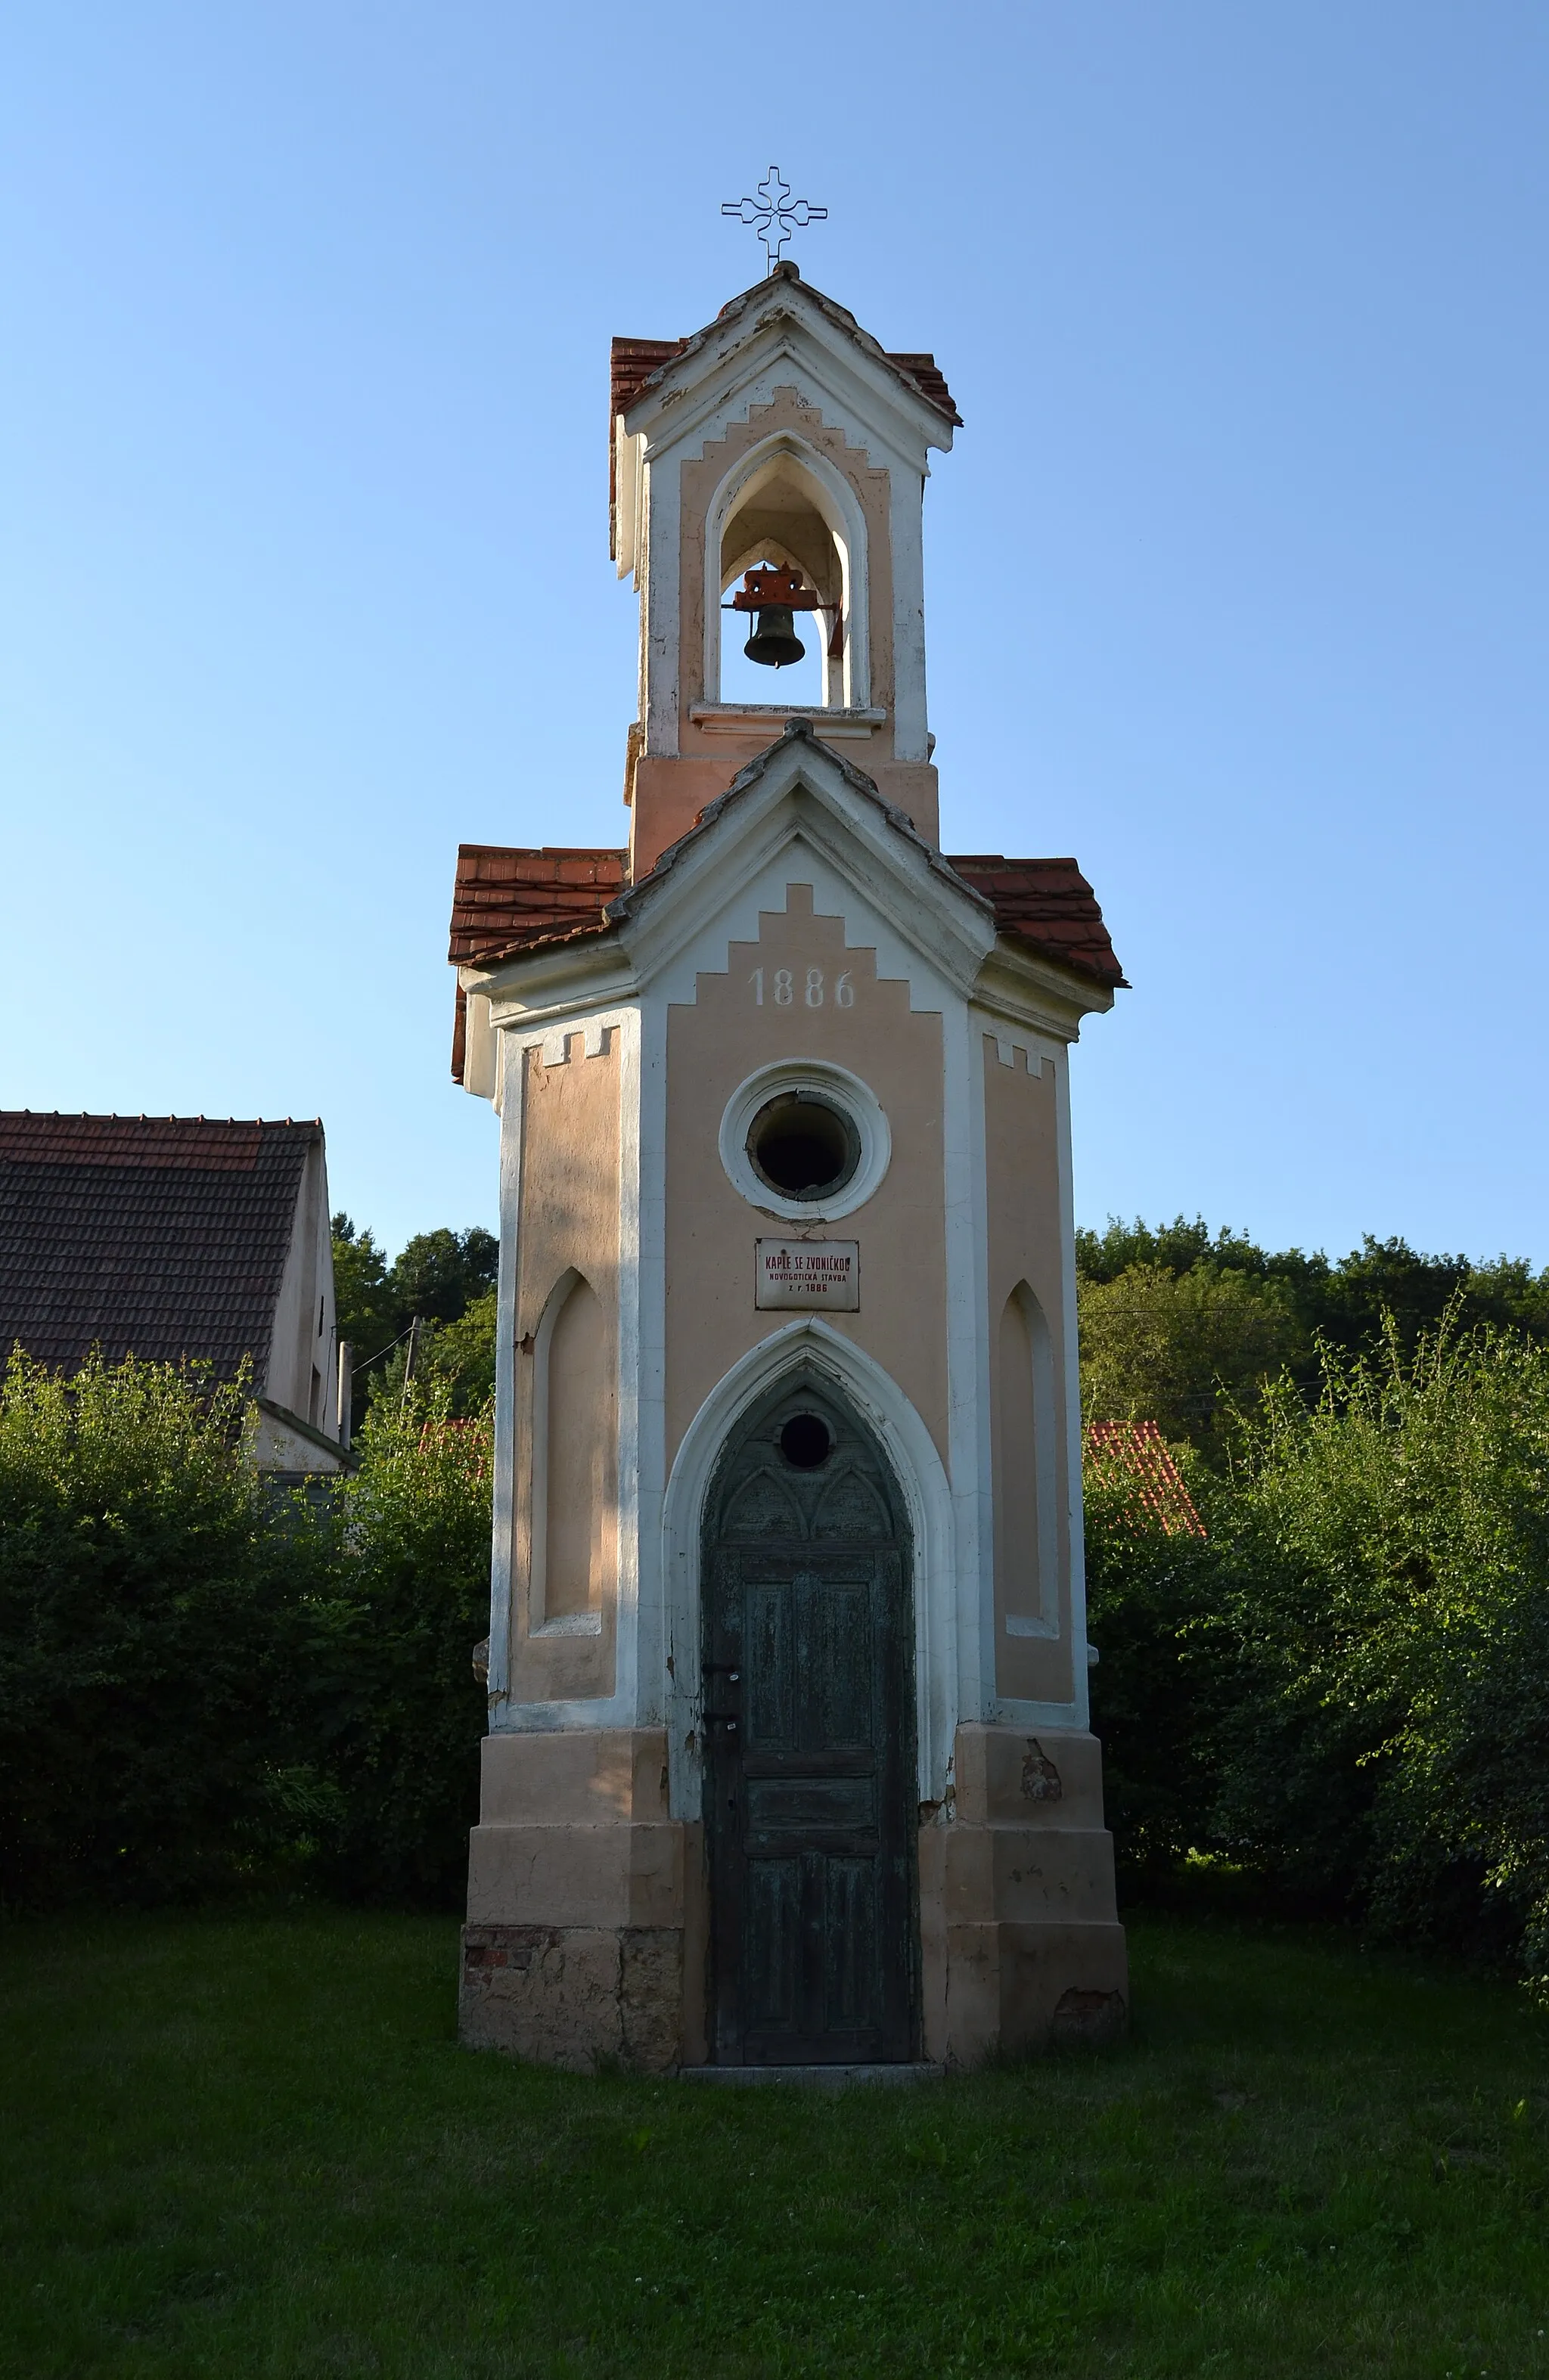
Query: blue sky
(1236,579)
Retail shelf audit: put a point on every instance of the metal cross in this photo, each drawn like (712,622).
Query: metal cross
(772,212)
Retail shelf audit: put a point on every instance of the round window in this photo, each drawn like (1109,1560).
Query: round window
(805,1139)
(802,1146)
(805,1441)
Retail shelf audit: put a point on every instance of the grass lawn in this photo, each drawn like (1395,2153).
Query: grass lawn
(244,2147)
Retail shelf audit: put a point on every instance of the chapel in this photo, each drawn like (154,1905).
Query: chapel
(788,1761)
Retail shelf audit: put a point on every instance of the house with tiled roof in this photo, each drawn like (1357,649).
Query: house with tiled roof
(1133,1457)
(789,1761)
(174,1237)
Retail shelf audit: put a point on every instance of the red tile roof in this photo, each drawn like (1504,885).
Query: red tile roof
(509,901)
(630,365)
(1135,1455)
(930,380)
(162,1236)
(1046,904)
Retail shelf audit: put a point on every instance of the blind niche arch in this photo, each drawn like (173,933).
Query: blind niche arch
(1026,1521)
(785,502)
(573,1441)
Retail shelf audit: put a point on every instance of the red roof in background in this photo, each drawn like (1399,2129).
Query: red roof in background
(1046,904)
(1134,1454)
(213,1143)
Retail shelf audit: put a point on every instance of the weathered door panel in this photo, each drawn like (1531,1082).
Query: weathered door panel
(809,1804)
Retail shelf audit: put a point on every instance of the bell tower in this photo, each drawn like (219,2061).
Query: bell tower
(789,1760)
(782,445)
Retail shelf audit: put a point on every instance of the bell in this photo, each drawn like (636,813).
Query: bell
(774,641)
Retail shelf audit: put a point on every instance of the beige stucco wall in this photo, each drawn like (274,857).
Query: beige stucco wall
(567,1220)
(712,1046)
(1021,1170)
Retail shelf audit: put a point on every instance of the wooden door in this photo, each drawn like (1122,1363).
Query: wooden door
(809,1776)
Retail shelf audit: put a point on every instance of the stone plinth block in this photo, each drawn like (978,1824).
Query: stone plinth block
(585,1938)
(1020,1945)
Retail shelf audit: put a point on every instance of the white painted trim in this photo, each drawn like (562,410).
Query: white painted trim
(625,1031)
(912,730)
(811,1343)
(742,717)
(503,1486)
(649,1708)
(968,1356)
(1072,1386)
(847,1091)
(627,472)
(661,612)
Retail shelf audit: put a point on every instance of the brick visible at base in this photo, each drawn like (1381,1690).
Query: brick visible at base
(574,1996)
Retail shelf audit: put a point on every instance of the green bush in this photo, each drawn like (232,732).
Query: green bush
(1342,1693)
(144,1602)
(204,1687)
(1388,1728)
(1154,1611)
(393,1710)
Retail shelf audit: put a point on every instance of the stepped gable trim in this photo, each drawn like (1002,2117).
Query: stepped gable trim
(919,371)
(508,902)
(161,1237)
(1047,904)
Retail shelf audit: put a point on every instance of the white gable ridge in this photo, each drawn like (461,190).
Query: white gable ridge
(800,789)
(781,316)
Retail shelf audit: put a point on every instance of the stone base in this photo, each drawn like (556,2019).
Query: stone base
(1020,1943)
(574,1996)
(588,1919)
(581,1947)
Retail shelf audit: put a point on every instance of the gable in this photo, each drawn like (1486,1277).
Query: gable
(508,904)
(675,384)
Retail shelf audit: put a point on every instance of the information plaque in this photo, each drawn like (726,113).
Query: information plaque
(824,1274)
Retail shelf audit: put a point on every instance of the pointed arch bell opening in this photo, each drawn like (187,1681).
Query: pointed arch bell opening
(785,503)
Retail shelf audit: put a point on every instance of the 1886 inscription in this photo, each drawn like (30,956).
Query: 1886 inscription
(801,988)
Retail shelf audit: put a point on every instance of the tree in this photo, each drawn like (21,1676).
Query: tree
(1178,1348)
(439,1274)
(1386,1732)
(435,1279)
(365,1302)
(146,1605)
(1348,1303)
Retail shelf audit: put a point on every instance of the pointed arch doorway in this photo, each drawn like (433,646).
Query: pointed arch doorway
(809,1771)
